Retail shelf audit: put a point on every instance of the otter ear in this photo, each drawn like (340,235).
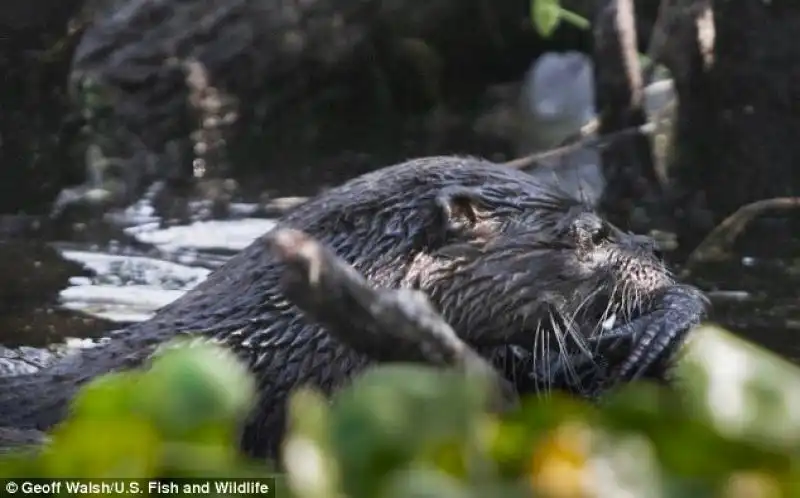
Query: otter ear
(461,207)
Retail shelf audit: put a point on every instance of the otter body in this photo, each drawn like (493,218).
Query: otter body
(511,264)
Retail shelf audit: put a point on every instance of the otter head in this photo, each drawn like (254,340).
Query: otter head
(535,269)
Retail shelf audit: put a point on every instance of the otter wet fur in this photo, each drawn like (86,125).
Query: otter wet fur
(526,274)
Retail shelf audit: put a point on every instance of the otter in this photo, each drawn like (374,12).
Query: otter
(525,273)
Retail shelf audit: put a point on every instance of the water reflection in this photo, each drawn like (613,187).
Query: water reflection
(126,288)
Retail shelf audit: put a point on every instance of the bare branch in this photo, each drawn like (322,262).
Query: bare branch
(386,324)
(717,244)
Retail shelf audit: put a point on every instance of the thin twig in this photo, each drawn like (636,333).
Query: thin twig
(585,140)
(717,244)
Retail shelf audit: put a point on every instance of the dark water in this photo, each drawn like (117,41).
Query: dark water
(90,276)
(758,298)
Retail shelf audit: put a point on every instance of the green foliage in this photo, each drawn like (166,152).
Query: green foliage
(546,15)
(179,418)
(730,429)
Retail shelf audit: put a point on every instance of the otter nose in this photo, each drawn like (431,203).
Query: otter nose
(644,243)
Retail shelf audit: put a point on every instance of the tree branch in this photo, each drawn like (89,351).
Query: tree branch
(386,324)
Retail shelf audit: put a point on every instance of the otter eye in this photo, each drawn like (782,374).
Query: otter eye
(590,231)
(600,234)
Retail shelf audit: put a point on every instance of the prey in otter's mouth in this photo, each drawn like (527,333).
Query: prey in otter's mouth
(527,275)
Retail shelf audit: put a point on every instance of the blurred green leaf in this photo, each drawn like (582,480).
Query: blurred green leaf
(398,414)
(424,482)
(547,14)
(514,439)
(311,466)
(575,19)
(123,447)
(728,428)
(179,418)
(106,397)
(196,391)
(744,391)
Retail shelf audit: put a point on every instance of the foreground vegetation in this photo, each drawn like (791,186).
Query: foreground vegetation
(731,430)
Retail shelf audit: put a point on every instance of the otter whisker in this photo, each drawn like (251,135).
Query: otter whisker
(567,325)
(640,300)
(525,320)
(547,349)
(634,300)
(545,354)
(627,296)
(539,348)
(570,329)
(611,309)
(612,302)
(588,299)
(622,295)
(591,298)
(563,353)
(606,323)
